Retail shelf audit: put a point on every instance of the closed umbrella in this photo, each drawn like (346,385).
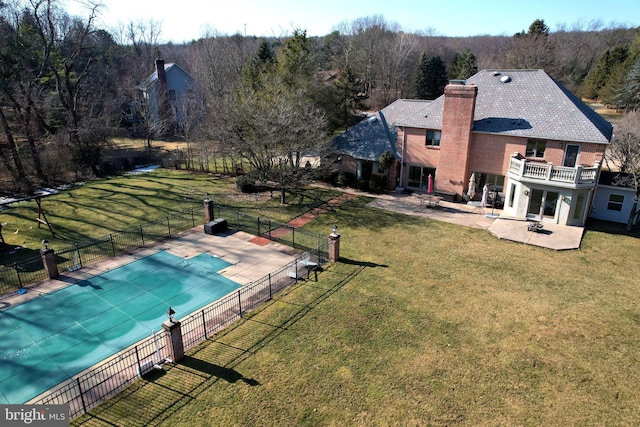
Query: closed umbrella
(472,187)
(430,184)
(485,196)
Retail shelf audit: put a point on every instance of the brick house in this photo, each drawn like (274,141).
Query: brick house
(519,132)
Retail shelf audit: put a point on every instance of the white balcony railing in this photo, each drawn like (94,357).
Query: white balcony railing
(528,170)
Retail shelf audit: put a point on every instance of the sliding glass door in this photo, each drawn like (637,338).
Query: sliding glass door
(543,202)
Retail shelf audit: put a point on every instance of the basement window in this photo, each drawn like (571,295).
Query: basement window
(433,138)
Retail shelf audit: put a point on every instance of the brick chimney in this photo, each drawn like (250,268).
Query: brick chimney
(457,121)
(164,111)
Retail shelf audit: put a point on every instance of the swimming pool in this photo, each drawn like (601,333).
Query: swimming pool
(49,339)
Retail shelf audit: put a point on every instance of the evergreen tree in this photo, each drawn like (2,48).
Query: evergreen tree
(604,71)
(295,64)
(420,85)
(435,78)
(465,65)
(262,62)
(349,97)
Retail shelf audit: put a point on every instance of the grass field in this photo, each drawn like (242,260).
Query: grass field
(100,207)
(420,323)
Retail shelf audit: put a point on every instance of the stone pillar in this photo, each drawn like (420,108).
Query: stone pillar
(49,262)
(173,336)
(208,210)
(334,247)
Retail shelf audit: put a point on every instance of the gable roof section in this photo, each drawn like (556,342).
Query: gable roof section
(531,104)
(377,133)
(153,78)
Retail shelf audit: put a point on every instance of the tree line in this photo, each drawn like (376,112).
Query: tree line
(65,84)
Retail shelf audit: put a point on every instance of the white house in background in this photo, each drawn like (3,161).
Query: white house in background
(614,197)
(168,95)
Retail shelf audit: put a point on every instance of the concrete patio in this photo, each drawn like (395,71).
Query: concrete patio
(553,236)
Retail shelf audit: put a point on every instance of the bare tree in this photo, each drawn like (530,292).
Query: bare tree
(624,154)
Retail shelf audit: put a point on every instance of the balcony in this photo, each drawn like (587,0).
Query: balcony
(524,170)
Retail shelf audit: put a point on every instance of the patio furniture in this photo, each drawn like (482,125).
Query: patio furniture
(536,226)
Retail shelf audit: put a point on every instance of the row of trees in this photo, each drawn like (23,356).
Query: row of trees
(65,84)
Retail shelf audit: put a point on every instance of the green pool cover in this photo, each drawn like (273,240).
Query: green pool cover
(51,338)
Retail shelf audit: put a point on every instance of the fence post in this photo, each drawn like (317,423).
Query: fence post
(79,257)
(141,235)
(238,220)
(240,303)
(193,219)
(269,229)
(204,325)
(293,237)
(138,360)
(168,226)
(15,265)
(258,226)
(270,291)
(84,406)
(113,246)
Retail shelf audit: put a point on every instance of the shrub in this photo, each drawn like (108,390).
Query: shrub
(245,183)
(346,178)
(378,182)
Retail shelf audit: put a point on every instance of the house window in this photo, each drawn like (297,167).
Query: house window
(615,202)
(496,182)
(512,195)
(571,155)
(580,202)
(433,138)
(535,148)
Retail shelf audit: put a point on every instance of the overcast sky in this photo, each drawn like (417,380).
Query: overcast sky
(186,20)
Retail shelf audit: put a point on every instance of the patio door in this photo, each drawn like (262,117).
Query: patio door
(543,202)
(571,155)
(418,176)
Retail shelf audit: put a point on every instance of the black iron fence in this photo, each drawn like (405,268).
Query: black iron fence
(30,271)
(24,273)
(101,382)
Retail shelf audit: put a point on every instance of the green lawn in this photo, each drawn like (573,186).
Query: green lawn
(420,323)
(100,207)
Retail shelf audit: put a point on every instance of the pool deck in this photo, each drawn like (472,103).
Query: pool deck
(250,261)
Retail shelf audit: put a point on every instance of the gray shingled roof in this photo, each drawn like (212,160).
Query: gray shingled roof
(378,133)
(531,104)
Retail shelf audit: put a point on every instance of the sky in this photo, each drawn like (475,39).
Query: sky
(186,20)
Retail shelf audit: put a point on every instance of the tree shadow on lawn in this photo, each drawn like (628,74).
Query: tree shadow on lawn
(213,370)
(163,393)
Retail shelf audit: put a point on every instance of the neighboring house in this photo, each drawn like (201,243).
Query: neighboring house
(518,131)
(168,96)
(614,198)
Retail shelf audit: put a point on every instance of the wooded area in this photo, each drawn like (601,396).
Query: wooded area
(67,83)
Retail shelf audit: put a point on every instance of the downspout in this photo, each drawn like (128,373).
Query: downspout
(404,138)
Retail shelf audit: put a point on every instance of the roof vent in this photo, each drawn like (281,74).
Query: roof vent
(372,119)
(496,73)
(505,79)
